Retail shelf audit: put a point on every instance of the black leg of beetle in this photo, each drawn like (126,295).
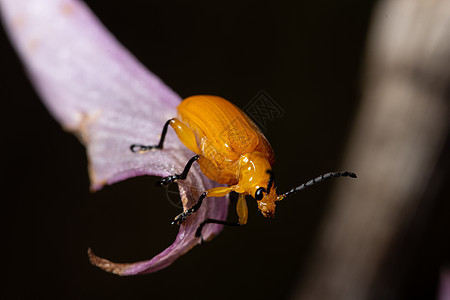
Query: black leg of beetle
(181,217)
(143,148)
(169,179)
(198,233)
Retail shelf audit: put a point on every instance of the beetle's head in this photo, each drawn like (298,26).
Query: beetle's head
(256,179)
(266,197)
(266,204)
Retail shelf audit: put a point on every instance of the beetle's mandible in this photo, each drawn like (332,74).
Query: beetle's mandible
(230,150)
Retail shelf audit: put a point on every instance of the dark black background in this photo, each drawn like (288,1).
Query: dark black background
(307,55)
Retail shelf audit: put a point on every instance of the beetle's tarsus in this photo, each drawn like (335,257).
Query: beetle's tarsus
(180,218)
(165,181)
(198,233)
(135,148)
(183,216)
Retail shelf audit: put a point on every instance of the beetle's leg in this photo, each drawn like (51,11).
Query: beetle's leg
(214,192)
(242,212)
(183,132)
(198,233)
(145,148)
(169,179)
(242,209)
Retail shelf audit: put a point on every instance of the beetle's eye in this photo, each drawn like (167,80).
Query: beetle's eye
(259,193)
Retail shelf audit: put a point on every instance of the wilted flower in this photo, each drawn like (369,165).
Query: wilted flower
(96,89)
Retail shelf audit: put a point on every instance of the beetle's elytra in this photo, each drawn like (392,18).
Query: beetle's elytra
(230,150)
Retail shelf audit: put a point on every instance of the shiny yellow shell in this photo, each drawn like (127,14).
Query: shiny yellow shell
(223,133)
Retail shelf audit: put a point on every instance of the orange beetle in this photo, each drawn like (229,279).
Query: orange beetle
(230,150)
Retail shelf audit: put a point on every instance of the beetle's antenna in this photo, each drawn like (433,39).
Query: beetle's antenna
(316,180)
(272,176)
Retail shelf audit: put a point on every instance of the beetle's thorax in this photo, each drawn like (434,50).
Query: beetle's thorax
(252,172)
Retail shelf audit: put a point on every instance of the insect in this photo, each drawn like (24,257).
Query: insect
(231,150)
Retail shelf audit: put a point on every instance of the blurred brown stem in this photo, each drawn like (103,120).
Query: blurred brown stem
(398,135)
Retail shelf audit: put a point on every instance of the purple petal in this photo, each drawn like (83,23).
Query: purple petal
(444,285)
(95,88)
